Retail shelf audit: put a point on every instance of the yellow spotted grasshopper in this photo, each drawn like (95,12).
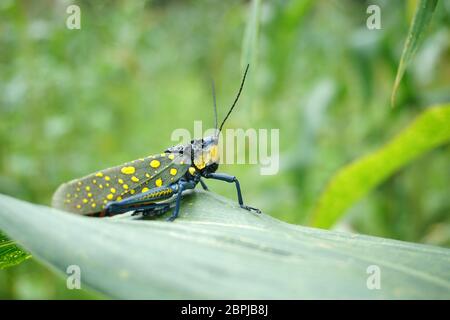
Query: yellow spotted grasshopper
(149,186)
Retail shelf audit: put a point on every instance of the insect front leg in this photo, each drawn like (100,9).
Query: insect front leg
(230,179)
(182,185)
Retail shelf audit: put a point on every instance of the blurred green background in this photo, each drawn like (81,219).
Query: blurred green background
(76,101)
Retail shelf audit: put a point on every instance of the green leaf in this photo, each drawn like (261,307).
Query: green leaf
(218,250)
(421,20)
(10,253)
(429,130)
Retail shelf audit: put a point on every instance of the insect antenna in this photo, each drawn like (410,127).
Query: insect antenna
(235,100)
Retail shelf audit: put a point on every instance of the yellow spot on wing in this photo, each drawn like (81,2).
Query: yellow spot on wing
(93,205)
(100,186)
(147,175)
(99,174)
(78,206)
(120,181)
(171,156)
(173,171)
(134,179)
(155,163)
(119,198)
(145,189)
(85,200)
(88,188)
(125,186)
(158,182)
(109,196)
(107,178)
(132,191)
(128,170)
(192,170)
(89,195)
(113,190)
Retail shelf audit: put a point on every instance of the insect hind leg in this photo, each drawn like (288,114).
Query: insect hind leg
(157,210)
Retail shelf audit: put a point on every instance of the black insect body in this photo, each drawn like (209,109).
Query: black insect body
(151,185)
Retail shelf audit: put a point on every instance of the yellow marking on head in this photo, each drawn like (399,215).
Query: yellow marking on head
(93,205)
(145,189)
(155,163)
(85,200)
(158,182)
(99,174)
(192,170)
(109,196)
(78,206)
(173,171)
(107,178)
(120,181)
(125,186)
(171,156)
(132,191)
(128,170)
(118,198)
(88,188)
(113,190)
(134,179)
(89,195)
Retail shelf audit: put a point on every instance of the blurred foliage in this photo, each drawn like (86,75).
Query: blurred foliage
(430,130)
(75,101)
(421,20)
(10,253)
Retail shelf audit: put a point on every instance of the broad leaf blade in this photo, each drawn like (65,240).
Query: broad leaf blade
(421,20)
(217,250)
(429,130)
(10,253)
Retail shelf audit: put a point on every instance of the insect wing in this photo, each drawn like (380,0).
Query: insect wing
(91,193)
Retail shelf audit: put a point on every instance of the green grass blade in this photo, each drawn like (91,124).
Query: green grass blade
(421,20)
(217,250)
(10,253)
(250,41)
(429,130)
